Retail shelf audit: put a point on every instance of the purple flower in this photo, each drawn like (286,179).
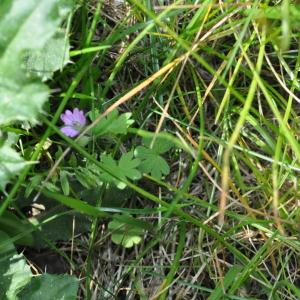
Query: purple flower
(74,122)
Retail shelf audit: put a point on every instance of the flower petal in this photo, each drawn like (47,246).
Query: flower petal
(76,114)
(67,119)
(69,131)
(79,116)
(70,114)
(82,118)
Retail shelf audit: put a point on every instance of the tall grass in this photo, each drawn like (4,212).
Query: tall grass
(220,80)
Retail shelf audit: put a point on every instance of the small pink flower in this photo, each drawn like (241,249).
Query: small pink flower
(74,122)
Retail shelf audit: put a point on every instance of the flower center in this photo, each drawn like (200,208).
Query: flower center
(77,125)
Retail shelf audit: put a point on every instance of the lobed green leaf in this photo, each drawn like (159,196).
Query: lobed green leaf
(25,26)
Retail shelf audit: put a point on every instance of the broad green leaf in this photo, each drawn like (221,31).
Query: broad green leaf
(10,162)
(14,275)
(113,197)
(62,226)
(50,287)
(16,228)
(113,123)
(89,210)
(125,168)
(52,57)
(25,26)
(151,162)
(6,245)
(124,234)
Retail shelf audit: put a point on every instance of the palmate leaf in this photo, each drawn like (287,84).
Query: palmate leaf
(125,168)
(25,26)
(159,146)
(151,161)
(113,123)
(125,234)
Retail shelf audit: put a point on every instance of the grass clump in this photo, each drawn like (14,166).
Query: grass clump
(177,177)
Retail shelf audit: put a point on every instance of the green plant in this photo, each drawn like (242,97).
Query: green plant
(153,146)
